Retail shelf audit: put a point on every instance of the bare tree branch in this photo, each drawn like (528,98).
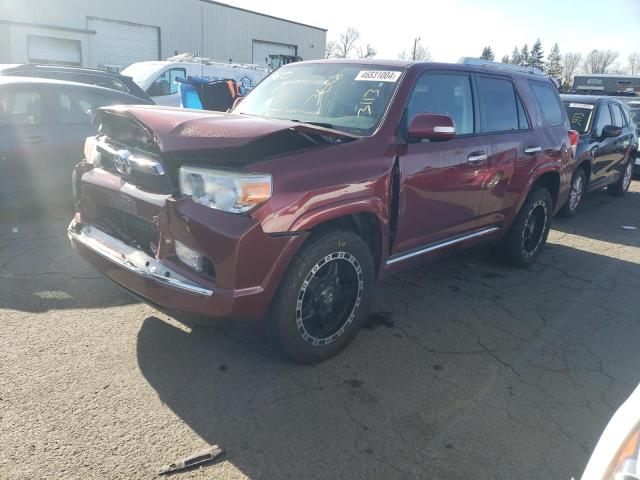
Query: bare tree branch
(347,43)
(600,61)
(634,63)
(570,65)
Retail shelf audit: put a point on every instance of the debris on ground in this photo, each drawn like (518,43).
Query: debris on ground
(195,460)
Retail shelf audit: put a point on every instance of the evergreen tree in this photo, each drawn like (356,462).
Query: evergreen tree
(536,57)
(516,57)
(505,59)
(553,66)
(524,55)
(487,54)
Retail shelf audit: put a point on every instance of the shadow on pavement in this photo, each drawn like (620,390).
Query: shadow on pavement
(479,361)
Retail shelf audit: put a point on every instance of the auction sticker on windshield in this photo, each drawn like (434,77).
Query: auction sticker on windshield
(378,75)
(581,105)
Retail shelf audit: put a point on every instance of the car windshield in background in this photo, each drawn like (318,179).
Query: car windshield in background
(580,115)
(350,98)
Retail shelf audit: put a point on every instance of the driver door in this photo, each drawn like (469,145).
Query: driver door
(441,182)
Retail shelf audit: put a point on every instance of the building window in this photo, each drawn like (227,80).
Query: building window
(52,50)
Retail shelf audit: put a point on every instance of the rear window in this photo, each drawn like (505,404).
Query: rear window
(498,104)
(580,115)
(547,98)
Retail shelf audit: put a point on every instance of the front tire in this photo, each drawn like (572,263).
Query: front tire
(621,186)
(578,189)
(322,300)
(528,233)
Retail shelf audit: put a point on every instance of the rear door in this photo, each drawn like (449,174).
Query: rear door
(603,149)
(441,181)
(622,142)
(25,145)
(506,125)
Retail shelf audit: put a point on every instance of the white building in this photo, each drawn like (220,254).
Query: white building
(116,33)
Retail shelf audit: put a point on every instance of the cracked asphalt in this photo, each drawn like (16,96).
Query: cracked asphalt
(467,369)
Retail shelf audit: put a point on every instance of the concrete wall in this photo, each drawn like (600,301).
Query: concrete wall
(215,30)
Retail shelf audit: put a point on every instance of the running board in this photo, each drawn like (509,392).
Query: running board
(400,257)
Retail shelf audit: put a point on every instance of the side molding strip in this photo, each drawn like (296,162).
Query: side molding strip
(436,246)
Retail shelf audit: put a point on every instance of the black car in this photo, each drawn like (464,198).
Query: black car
(43,127)
(606,149)
(634,111)
(99,78)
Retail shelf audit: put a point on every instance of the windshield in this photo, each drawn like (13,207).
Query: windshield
(140,72)
(579,115)
(350,98)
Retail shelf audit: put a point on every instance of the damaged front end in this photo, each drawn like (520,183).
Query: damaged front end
(164,200)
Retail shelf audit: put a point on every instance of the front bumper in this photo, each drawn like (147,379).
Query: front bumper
(247,264)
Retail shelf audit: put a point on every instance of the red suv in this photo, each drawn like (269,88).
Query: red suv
(327,176)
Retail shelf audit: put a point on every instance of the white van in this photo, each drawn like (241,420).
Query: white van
(157,78)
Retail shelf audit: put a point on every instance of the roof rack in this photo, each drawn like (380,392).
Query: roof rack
(504,66)
(191,58)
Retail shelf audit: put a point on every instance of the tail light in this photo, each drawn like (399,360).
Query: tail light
(574,137)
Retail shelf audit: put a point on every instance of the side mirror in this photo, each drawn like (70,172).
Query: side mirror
(432,126)
(611,131)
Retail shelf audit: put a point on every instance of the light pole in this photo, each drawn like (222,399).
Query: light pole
(415,46)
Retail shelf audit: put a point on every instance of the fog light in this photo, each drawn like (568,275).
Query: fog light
(189,257)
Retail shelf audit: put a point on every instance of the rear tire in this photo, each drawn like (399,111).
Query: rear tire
(322,300)
(528,233)
(621,186)
(576,194)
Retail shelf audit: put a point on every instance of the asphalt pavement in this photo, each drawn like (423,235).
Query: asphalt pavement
(467,369)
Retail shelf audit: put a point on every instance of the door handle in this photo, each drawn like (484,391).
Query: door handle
(35,139)
(532,150)
(477,157)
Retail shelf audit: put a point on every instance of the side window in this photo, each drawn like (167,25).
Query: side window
(549,103)
(165,84)
(616,114)
(445,94)
(20,107)
(78,105)
(604,119)
(498,107)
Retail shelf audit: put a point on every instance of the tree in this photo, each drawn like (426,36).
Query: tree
(422,53)
(516,56)
(505,59)
(367,52)
(347,43)
(553,66)
(330,49)
(487,54)
(536,57)
(600,61)
(634,63)
(570,65)
(524,55)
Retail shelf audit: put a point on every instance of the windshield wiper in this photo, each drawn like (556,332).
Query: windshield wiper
(317,124)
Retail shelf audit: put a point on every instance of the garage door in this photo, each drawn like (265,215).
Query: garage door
(117,45)
(51,50)
(261,50)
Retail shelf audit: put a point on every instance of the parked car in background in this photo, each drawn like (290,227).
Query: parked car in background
(158,78)
(617,453)
(326,176)
(99,78)
(606,149)
(43,126)
(634,115)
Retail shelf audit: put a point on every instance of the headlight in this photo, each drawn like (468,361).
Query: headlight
(229,191)
(91,154)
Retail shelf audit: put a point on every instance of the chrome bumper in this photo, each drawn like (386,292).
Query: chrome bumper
(132,259)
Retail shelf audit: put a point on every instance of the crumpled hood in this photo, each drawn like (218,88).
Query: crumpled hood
(175,129)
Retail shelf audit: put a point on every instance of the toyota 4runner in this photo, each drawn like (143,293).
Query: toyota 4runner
(327,176)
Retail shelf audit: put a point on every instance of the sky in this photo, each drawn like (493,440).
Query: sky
(455,28)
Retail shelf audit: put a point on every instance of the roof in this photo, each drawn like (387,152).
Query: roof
(226,5)
(10,79)
(591,99)
(58,68)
